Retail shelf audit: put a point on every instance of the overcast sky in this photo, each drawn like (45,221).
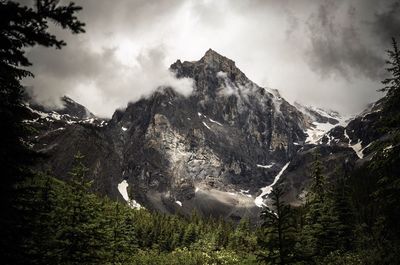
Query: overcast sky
(324,53)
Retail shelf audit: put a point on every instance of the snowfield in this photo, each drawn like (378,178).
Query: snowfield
(259,201)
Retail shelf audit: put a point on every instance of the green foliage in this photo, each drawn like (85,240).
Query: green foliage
(242,238)
(279,233)
(311,232)
(328,220)
(82,236)
(342,258)
(318,186)
(190,257)
(67,224)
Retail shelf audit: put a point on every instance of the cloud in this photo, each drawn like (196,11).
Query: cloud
(386,23)
(336,46)
(99,80)
(325,53)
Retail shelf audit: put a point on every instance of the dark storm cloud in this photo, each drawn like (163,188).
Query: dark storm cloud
(387,23)
(337,48)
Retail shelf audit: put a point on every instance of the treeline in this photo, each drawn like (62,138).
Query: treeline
(64,223)
(350,220)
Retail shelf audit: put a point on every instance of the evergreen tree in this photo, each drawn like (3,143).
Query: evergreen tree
(122,243)
(36,201)
(81,239)
(21,27)
(318,184)
(387,195)
(278,231)
(392,83)
(318,228)
(190,235)
(344,214)
(391,100)
(328,217)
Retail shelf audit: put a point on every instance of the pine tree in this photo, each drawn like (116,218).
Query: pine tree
(324,228)
(81,239)
(37,200)
(278,231)
(21,27)
(344,213)
(392,83)
(313,233)
(387,195)
(392,88)
(121,245)
(318,184)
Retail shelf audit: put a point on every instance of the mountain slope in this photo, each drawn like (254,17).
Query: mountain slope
(216,151)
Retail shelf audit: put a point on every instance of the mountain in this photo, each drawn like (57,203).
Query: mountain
(218,151)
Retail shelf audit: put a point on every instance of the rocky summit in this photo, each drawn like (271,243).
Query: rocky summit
(218,151)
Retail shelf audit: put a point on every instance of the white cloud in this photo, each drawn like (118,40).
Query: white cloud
(129,44)
(108,82)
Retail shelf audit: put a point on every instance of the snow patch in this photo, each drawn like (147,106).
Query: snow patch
(211,120)
(205,124)
(42,115)
(387,148)
(245,193)
(265,166)
(58,129)
(316,132)
(91,120)
(123,189)
(358,149)
(259,201)
(347,136)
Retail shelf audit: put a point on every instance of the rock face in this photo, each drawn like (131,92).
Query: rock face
(211,151)
(343,148)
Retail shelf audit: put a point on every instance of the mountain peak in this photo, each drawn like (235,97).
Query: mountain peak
(73,108)
(211,57)
(210,64)
(210,52)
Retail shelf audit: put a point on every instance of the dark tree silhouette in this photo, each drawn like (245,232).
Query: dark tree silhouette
(278,238)
(21,27)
